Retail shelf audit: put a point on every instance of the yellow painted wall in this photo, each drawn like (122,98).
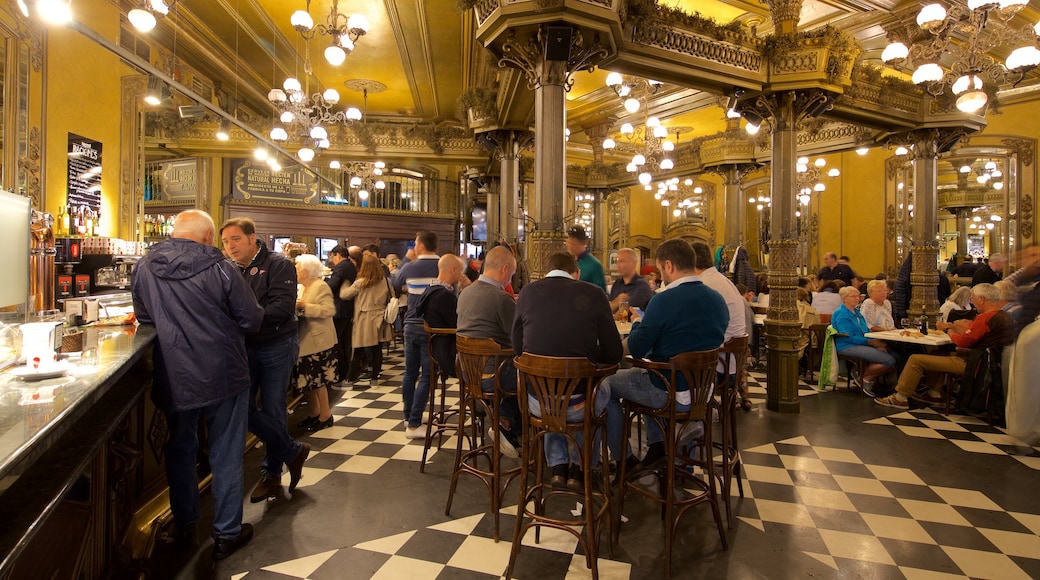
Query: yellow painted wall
(645,214)
(83,97)
(861,231)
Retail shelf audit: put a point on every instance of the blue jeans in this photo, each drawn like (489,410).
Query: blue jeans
(632,385)
(226,434)
(415,386)
(869,354)
(557,451)
(270,366)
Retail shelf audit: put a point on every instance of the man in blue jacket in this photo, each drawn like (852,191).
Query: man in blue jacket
(272,351)
(687,316)
(202,309)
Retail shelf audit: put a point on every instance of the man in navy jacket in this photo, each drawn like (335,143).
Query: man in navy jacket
(202,309)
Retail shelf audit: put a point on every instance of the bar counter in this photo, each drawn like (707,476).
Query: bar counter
(72,455)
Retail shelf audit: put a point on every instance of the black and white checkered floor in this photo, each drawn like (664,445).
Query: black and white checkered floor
(834,491)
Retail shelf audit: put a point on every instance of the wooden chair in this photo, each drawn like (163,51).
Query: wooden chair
(734,355)
(474,357)
(551,381)
(442,416)
(816,333)
(698,371)
(850,361)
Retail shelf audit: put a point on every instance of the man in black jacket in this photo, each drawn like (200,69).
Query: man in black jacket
(272,354)
(343,272)
(202,310)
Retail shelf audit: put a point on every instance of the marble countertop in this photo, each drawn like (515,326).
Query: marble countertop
(36,413)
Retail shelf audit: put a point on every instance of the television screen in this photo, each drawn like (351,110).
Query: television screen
(324,246)
(278,244)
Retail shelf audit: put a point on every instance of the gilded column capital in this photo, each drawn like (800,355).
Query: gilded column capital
(786,14)
(527,53)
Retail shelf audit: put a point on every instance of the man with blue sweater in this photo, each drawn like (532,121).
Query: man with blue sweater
(688,316)
(414,277)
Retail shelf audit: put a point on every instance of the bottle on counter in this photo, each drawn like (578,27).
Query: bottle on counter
(923,324)
(62,223)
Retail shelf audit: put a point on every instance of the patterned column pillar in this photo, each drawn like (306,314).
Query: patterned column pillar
(924,276)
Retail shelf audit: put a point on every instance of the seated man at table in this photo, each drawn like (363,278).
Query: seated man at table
(560,316)
(992,327)
(630,286)
(661,334)
(876,309)
(486,310)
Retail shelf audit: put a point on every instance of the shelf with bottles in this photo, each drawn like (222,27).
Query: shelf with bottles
(77,221)
(156,227)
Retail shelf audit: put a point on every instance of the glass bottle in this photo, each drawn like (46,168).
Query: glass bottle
(62,223)
(923,324)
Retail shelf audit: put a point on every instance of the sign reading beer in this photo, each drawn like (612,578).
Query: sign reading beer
(84,173)
(254,180)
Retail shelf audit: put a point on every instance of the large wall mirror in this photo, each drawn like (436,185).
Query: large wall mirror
(986,191)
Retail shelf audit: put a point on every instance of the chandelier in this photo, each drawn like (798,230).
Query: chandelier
(984,26)
(649,143)
(683,197)
(308,116)
(344,30)
(986,173)
(365,178)
(584,210)
(810,177)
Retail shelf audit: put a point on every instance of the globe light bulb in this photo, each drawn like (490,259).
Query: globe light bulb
(142,19)
(631,105)
(645,178)
(305,154)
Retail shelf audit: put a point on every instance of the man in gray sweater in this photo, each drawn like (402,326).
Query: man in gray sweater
(486,311)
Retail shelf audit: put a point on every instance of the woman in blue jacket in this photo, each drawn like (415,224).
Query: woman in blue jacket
(849,322)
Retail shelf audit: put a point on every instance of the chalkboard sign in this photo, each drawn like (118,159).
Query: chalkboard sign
(84,172)
(254,180)
(180,180)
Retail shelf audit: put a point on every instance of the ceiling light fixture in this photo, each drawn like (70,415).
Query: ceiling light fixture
(157,91)
(344,30)
(145,16)
(309,117)
(649,143)
(224,130)
(969,35)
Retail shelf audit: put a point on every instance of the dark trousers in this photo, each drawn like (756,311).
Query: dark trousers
(374,354)
(344,326)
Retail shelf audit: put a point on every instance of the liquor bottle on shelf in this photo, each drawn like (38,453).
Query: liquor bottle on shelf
(74,213)
(62,223)
(89,228)
(169,225)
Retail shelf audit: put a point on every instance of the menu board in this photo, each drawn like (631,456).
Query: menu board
(254,180)
(84,172)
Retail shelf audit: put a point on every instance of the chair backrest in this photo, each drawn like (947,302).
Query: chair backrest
(825,319)
(698,370)
(474,356)
(734,356)
(434,337)
(552,381)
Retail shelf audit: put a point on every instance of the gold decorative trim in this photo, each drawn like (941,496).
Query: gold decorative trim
(30,164)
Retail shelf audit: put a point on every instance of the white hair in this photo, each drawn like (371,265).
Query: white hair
(311,266)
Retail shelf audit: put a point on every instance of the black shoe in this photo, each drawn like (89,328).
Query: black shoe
(653,460)
(296,466)
(575,479)
(224,547)
(559,476)
(318,425)
(307,422)
(631,467)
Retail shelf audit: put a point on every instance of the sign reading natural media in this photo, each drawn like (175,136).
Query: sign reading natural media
(255,181)
(84,173)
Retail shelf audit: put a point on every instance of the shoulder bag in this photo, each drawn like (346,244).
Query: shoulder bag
(392,306)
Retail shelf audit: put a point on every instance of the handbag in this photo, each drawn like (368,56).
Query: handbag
(392,306)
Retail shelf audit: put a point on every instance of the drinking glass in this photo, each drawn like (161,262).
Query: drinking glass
(905,323)
(623,311)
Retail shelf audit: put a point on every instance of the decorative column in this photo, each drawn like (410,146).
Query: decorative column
(963,214)
(782,326)
(549,74)
(508,145)
(493,187)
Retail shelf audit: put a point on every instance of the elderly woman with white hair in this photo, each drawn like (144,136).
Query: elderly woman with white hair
(852,327)
(959,300)
(317,366)
(876,309)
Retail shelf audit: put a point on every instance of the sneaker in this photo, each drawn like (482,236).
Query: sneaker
(296,466)
(505,446)
(654,459)
(854,375)
(362,384)
(868,388)
(224,547)
(559,476)
(269,486)
(341,386)
(415,432)
(929,399)
(892,401)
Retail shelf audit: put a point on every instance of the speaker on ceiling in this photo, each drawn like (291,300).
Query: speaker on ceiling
(558,42)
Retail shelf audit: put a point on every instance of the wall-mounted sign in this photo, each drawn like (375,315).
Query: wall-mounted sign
(180,180)
(254,180)
(84,173)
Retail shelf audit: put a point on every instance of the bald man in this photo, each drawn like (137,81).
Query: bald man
(202,309)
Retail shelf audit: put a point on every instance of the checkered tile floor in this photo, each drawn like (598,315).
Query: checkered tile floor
(817,510)
(871,520)
(967,433)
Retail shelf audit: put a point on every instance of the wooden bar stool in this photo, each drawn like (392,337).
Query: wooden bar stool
(552,381)
(676,475)
(474,357)
(442,416)
(734,356)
